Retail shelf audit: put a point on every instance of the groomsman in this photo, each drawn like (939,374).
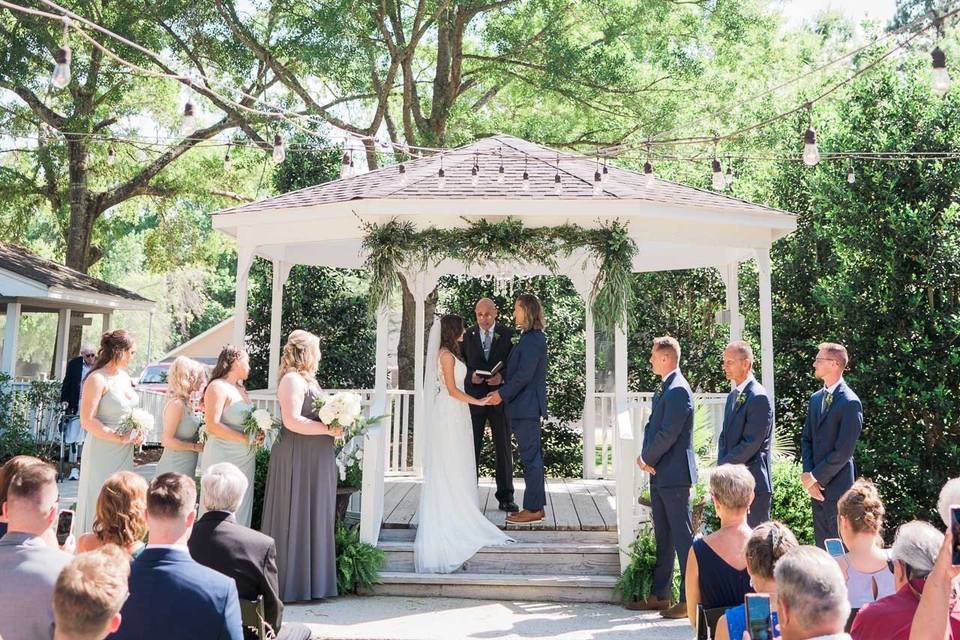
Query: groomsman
(485,345)
(667,455)
(830,434)
(747,427)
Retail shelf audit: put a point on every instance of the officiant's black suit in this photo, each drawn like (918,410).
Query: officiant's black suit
(475,359)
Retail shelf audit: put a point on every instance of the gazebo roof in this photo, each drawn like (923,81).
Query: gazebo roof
(676,226)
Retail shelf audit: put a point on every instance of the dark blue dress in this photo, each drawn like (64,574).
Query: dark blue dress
(724,585)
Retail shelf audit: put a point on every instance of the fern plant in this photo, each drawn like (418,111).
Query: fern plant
(636,582)
(358,563)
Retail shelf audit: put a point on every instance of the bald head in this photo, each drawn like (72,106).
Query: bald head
(486,311)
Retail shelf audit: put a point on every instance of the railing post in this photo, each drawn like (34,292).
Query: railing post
(375,442)
(244,260)
(281,271)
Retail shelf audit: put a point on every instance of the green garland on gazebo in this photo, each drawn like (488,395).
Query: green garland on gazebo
(396,245)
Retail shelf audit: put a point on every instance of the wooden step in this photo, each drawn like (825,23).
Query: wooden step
(527,587)
(524,558)
(520,535)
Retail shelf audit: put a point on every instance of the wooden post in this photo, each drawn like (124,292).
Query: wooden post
(281,271)
(8,363)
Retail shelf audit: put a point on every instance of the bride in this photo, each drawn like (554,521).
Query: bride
(451,528)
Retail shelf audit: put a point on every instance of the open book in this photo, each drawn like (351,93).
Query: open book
(493,371)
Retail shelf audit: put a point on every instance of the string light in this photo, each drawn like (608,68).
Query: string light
(526,175)
(851,176)
(475,172)
(604,174)
(279,150)
(227,162)
(345,163)
(941,78)
(718,180)
(402,169)
(189,124)
(728,178)
(500,172)
(557,185)
(61,67)
(597,180)
(111,156)
(648,175)
(811,154)
(441,175)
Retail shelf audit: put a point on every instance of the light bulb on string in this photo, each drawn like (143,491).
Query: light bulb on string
(441,175)
(189,123)
(605,173)
(475,172)
(557,184)
(728,177)
(111,156)
(279,149)
(353,168)
(525,182)
(403,175)
(851,176)
(227,160)
(941,77)
(648,175)
(61,59)
(811,154)
(345,164)
(718,180)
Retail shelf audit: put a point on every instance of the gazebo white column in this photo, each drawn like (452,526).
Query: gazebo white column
(766,321)
(11,334)
(729,273)
(281,271)
(107,321)
(375,442)
(420,284)
(583,282)
(60,351)
(244,260)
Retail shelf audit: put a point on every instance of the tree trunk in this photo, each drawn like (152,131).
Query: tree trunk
(407,346)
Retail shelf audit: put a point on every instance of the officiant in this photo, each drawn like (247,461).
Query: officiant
(486,347)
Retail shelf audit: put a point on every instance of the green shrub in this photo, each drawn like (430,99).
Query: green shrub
(562,453)
(636,581)
(259,486)
(358,563)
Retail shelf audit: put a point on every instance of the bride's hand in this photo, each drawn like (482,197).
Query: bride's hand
(481,402)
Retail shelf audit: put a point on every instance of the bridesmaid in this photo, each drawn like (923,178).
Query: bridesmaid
(226,404)
(107,398)
(179,437)
(299,507)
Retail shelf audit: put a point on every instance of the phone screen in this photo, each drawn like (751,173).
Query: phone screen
(64,526)
(834,547)
(955,530)
(758,616)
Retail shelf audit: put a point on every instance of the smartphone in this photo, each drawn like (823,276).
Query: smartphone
(834,547)
(64,526)
(757,606)
(955,530)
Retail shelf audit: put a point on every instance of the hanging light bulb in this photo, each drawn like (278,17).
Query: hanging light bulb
(111,156)
(557,185)
(189,124)
(605,174)
(941,78)
(728,176)
(345,165)
(526,180)
(279,150)
(61,59)
(648,176)
(500,174)
(597,182)
(441,178)
(811,154)
(227,161)
(851,176)
(475,175)
(718,180)
(353,169)
(403,175)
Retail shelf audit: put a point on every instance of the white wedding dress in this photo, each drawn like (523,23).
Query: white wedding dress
(451,527)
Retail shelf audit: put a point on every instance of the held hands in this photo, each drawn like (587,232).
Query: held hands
(494,398)
(476,379)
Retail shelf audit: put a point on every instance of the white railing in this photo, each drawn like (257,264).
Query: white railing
(638,408)
(628,515)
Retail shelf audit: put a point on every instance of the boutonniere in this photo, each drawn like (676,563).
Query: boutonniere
(741,398)
(496,336)
(515,339)
(829,400)
(658,389)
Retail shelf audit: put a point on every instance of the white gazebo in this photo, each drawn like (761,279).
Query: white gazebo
(675,227)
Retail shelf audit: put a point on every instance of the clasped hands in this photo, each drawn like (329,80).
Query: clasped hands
(493,381)
(645,467)
(814,488)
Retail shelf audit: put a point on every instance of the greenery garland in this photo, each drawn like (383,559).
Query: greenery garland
(397,245)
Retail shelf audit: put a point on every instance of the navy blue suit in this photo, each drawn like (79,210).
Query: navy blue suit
(827,444)
(524,392)
(668,448)
(745,439)
(173,596)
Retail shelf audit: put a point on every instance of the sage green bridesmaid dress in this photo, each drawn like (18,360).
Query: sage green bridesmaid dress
(238,453)
(184,462)
(102,458)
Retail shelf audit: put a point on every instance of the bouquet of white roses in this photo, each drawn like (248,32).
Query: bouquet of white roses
(138,422)
(258,421)
(345,410)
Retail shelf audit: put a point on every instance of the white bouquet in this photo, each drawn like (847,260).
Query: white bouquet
(138,422)
(258,421)
(345,410)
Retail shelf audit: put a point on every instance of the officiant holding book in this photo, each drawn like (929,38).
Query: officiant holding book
(486,347)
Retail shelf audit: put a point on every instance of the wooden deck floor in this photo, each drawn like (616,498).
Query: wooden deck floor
(572,504)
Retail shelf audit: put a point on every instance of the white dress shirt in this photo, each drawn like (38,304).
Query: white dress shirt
(677,371)
(743,385)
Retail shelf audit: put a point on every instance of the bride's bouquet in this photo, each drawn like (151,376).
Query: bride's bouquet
(138,422)
(259,421)
(345,410)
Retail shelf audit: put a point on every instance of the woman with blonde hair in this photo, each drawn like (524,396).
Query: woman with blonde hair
(300,502)
(121,515)
(180,424)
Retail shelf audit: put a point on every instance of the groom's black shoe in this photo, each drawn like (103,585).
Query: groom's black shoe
(509,507)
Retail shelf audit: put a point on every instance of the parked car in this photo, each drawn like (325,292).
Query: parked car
(154,376)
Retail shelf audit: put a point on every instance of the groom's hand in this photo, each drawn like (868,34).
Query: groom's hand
(495,398)
(476,379)
(495,381)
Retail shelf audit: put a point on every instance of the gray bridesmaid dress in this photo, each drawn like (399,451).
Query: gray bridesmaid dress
(299,510)
(184,462)
(102,458)
(238,453)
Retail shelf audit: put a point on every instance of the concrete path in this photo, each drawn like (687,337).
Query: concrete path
(399,618)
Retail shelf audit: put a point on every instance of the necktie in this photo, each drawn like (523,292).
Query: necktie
(486,344)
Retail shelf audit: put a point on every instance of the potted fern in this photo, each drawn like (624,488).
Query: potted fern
(636,582)
(358,563)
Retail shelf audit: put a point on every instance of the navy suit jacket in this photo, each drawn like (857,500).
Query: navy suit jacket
(472,349)
(668,436)
(829,439)
(173,596)
(524,390)
(70,388)
(746,434)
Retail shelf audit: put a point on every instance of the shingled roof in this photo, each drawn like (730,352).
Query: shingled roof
(22,262)
(518,155)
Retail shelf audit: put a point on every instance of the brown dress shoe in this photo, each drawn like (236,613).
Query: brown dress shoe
(676,612)
(526,516)
(652,603)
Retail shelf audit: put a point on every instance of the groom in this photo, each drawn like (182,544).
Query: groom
(525,393)
(484,346)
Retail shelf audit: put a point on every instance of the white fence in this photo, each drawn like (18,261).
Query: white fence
(43,419)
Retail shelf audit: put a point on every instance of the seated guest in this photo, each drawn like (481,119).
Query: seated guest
(7,471)
(29,558)
(767,544)
(811,596)
(860,512)
(913,554)
(89,593)
(171,595)
(121,517)
(716,565)
(949,495)
(937,614)
(249,557)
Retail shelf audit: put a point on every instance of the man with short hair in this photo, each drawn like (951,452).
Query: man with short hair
(171,595)
(747,427)
(89,594)
(248,557)
(828,440)
(667,455)
(812,596)
(914,554)
(30,559)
